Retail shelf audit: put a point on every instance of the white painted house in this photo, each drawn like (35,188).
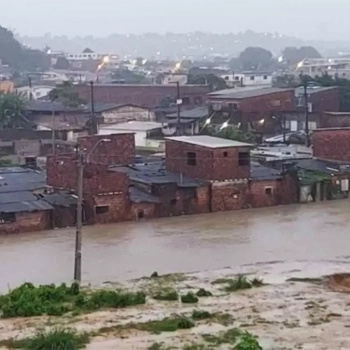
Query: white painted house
(148,135)
(248,79)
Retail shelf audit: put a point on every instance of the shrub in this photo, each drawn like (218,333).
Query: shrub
(204,293)
(167,295)
(166,325)
(201,315)
(57,339)
(189,298)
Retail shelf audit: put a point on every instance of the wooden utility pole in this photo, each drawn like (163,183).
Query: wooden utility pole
(94,128)
(178,102)
(79,223)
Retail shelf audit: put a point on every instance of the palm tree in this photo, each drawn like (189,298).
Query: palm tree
(12,110)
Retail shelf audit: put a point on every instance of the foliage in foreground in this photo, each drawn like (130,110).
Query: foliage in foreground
(166,295)
(28,300)
(189,298)
(56,339)
(239,283)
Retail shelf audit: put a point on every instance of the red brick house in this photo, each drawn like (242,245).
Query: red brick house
(148,96)
(332,143)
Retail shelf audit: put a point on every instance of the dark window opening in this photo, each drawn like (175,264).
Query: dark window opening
(102,209)
(186,101)
(173,202)
(30,161)
(268,191)
(265,77)
(243,158)
(7,218)
(225,154)
(140,214)
(191,158)
(233,106)
(252,77)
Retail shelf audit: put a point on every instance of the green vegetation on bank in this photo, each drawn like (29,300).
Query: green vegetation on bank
(239,283)
(28,300)
(56,339)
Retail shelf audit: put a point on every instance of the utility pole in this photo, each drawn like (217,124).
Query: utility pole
(178,102)
(284,128)
(94,127)
(53,131)
(30,87)
(306,101)
(79,223)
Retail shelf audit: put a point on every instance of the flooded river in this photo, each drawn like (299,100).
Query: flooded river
(316,233)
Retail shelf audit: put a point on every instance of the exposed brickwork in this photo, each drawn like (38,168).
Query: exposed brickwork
(142,211)
(120,150)
(28,222)
(259,195)
(334,120)
(64,217)
(325,100)
(212,164)
(118,208)
(332,144)
(148,96)
(226,196)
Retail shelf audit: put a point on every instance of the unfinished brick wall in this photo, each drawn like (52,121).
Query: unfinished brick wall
(28,222)
(141,211)
(264,194)
(332,143)
(118,151)
(211,164)
(63,217)
(226,196)
(148,96)
(118,208)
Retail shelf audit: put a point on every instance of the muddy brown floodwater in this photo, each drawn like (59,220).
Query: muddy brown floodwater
(315,233)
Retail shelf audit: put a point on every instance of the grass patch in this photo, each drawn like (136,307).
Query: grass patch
(166,295)
(56,339)
(201,315)
(241,340)
(28,300)
(239,283)
(189,298)
(160,346)
(165,325)
(204,293)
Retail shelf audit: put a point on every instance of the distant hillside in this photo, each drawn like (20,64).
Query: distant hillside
(196,44)
(19,57)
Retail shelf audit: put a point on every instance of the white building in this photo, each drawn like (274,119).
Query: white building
(332,66)
(174,78)
(148,135)
(37,91)
(248,79)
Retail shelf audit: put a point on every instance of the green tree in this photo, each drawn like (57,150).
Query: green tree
(294,55)
(87,50)
(12,111)
(19,57)
(215,82)
(286,81)
(255,58)
(67,95)
(232,133)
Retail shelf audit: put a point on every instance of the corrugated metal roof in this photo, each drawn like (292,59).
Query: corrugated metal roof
(138,196)
(61,199)
(196,113)
(260,172)
(22,196)
(18,207)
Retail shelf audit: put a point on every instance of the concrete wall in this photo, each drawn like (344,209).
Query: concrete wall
(212,164)
(127,113)
(27,222)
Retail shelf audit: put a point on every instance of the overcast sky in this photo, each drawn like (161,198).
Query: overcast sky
(309,19)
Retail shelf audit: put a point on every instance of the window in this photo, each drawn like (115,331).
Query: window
(173,202)
(191,158)
(227,78)
(140,214)
(186,101)
(252,77)
(265,77)
(236,78)
(243,158)
(7,218)
(233,106)
(268,191)
(102,209)
(225,154)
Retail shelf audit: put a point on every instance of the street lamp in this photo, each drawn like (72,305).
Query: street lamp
(83,159)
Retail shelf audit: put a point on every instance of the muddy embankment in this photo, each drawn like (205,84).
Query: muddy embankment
(298,312)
